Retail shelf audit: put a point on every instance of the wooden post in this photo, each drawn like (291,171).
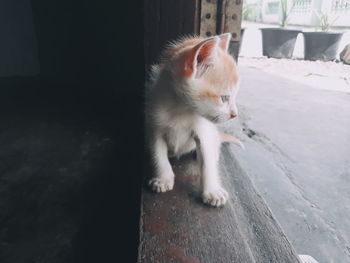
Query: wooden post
(165,21)
(233,20)
(208,17)
(222,16)
(170,19)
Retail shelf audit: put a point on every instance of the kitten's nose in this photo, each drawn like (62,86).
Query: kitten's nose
(233,115)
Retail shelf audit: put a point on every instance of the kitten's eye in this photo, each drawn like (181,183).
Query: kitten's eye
(225,98)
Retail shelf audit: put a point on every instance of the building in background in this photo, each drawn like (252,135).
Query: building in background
(301,12)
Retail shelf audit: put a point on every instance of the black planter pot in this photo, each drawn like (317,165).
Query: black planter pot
(321,45)
(241,39)
(278,42)
(235,46)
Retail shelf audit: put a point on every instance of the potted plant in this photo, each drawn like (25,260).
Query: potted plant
(322,45)
(280,42)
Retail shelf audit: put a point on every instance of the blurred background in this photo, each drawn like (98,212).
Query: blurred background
(324,27)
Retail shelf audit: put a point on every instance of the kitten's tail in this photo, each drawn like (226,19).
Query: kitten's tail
(230,138)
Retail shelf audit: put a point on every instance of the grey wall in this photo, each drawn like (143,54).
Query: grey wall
(90,53)
(81,45)
(18,47)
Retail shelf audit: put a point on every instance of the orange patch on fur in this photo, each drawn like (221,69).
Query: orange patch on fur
(208,94)
(221,78)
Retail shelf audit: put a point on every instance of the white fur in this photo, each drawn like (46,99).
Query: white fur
(177,124)
(174,129)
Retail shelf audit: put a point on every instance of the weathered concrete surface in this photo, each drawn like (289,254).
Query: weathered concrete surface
(177,227)
(297,153)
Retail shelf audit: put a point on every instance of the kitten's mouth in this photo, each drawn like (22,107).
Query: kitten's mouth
(216,119)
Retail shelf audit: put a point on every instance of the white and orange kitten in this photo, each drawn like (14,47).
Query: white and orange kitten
(194,87)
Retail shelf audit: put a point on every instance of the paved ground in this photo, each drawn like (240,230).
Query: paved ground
(297,140)
(324,75)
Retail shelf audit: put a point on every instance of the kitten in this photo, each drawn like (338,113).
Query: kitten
(194,87)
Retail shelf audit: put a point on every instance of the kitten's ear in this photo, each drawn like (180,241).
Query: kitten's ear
(201,57)
(225,41)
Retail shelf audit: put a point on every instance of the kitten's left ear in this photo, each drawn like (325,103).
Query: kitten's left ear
(200,57)
(224,41)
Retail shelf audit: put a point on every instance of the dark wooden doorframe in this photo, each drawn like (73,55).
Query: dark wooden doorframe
(222,16)
(170,19)
(166,20)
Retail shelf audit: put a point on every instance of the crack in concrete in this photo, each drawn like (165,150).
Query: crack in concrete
(278,154)
(280,161)
(265,141)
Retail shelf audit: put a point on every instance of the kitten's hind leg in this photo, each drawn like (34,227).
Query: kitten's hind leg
(164,178)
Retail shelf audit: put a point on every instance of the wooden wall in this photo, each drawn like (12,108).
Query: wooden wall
(165,20)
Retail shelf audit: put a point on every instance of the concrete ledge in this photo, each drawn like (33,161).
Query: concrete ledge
(177,227)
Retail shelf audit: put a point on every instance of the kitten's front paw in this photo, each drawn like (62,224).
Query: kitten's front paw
(161,185)
(216,197)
